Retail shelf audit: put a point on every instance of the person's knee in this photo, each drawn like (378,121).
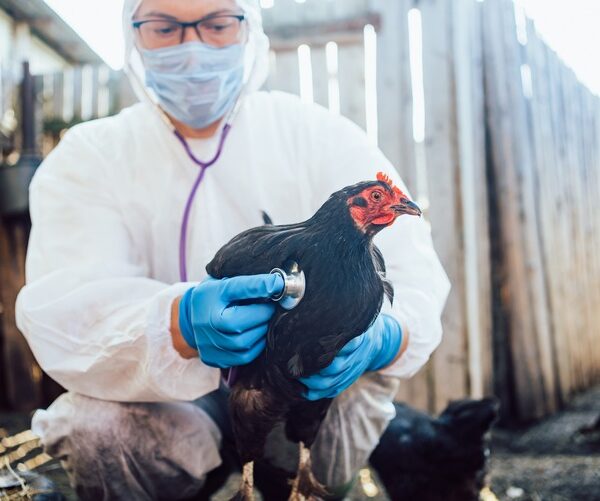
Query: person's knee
(129,447)
(86,435)
(75,424)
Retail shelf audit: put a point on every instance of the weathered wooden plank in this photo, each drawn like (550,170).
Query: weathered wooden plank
(86,97)
(572,213)
(593,105)
(587,222)
(470,137)
(395,106)
(561,249)
(483,215)
(68,101)
(290,13)
(450,361)
(531,225)
(320,75)
(546,183)
(58,97)
(286,76)
(581,225)
(589,216)
(95,90)
(47,95)
(77,91)
(418,390)
(344,32)
(352,83)
(103,99)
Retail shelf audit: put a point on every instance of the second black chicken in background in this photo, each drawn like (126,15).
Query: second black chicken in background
(424,458)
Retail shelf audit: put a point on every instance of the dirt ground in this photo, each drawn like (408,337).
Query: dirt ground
(552,460)
(548,461)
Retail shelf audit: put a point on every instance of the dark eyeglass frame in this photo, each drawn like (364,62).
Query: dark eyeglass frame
(191,24)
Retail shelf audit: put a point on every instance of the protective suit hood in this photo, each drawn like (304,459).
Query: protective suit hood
(256,52)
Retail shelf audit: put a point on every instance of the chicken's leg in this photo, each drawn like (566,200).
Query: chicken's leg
(246,492)
(305,486)
(302,425)
(254,413)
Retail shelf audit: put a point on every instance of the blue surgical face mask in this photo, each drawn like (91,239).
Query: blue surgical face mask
(195,83)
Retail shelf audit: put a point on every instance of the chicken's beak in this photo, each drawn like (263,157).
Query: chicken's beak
(407,207)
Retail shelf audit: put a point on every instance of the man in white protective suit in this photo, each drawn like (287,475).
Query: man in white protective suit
(128,210)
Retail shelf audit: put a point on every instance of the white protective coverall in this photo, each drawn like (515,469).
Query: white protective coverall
(102,264)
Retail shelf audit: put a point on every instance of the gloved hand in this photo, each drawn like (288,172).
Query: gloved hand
(371,351)
(225,333)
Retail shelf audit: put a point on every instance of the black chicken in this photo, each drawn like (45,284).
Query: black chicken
(345,286)
(432,459)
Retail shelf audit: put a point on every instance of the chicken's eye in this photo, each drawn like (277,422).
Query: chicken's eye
(376,196)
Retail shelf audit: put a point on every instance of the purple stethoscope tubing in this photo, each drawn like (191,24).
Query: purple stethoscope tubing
(228,375)
(188,206)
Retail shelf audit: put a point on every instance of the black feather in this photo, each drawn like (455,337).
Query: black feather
(379,262)
(266,218)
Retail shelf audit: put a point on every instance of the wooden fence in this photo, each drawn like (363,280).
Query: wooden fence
(545,166)
(496,139)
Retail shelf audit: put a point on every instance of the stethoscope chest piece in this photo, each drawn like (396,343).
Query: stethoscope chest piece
(295,285)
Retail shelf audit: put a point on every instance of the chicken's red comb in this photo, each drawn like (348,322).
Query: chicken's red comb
(386,179)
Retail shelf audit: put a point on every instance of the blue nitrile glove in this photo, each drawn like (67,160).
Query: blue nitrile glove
(225,333)
(371,351)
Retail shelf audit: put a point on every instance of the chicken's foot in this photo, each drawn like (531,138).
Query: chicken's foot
(305,487)
(246,492)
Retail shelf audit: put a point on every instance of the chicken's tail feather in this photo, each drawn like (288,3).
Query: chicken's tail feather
(254,413)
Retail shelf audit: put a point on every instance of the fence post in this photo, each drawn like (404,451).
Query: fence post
(467,55)
(555,238)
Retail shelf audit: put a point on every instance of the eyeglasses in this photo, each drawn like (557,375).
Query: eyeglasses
(216,30)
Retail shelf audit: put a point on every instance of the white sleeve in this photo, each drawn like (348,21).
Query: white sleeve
(94,322)
(421,285)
